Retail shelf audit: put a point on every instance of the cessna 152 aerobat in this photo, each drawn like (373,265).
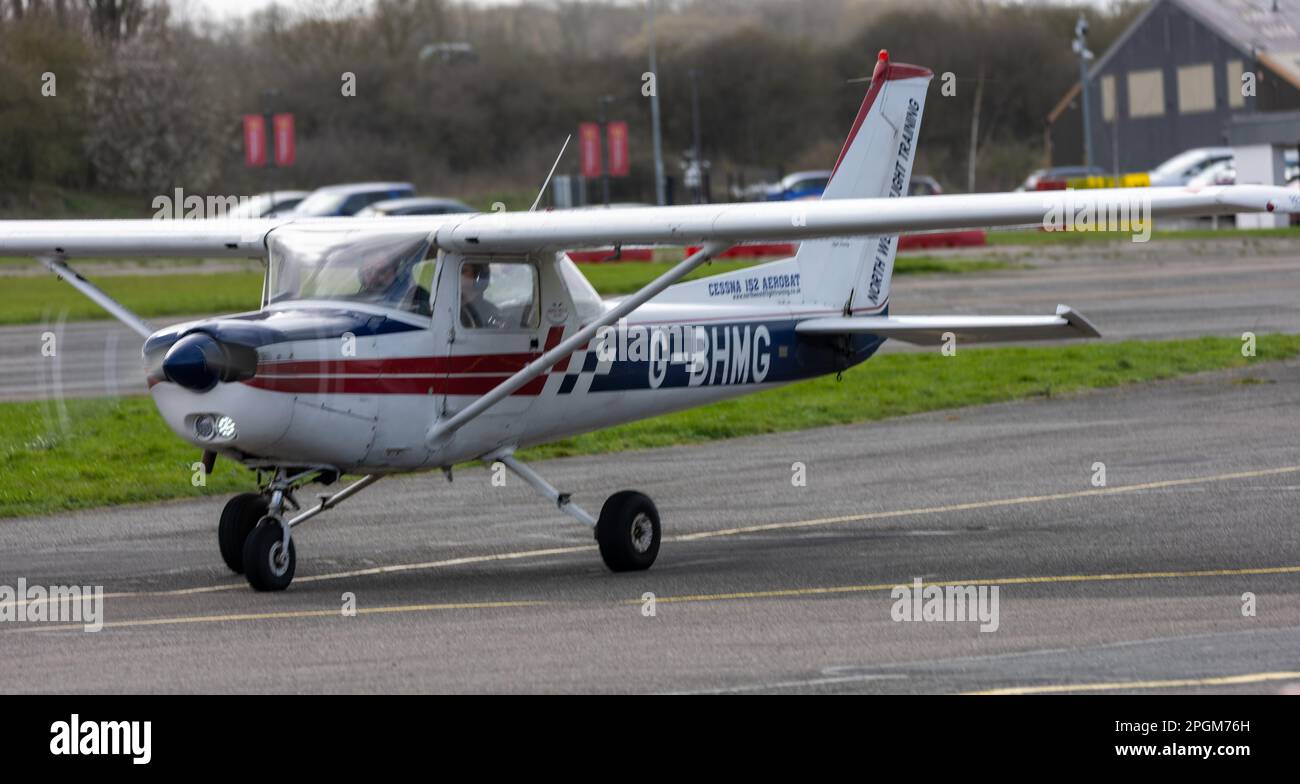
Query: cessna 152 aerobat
(400,344)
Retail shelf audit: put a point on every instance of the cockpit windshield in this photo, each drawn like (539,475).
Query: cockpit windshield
(389,269)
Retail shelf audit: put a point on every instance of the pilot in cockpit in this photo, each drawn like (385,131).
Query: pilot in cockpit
(377,276)
(475,311)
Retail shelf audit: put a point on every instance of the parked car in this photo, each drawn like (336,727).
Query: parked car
(1221,173)
(1180,169)
(800,185)
(268,205)
(1054,174)
(415,205)
(924,185)
(350,198)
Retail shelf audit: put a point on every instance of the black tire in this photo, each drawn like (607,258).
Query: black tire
(628,532)
(260,550)
(238,520)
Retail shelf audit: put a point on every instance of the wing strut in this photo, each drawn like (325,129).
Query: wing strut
(442,430)
(56,265)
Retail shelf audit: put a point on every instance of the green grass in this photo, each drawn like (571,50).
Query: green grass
(27,300)
(96,453)
(893,385)
(99,452)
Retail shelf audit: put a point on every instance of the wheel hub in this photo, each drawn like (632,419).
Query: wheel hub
(643,533)
(278,559)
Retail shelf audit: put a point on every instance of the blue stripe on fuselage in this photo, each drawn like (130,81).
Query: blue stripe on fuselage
(724,354)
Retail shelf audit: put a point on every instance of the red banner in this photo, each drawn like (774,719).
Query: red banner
(619,165)
(285,153)
(254,140)
(589,148)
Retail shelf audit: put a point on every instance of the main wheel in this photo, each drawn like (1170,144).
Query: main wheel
(237,521)
(628,532)
(266,565)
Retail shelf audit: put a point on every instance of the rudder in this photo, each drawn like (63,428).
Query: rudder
(853,274)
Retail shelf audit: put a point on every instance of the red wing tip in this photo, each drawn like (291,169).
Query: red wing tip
(884,55)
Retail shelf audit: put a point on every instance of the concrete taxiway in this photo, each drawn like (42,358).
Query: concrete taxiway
(761,586)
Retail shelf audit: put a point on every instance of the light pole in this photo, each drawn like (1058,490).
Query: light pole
(1085,56)
(269,98)
(697,141)
(655,133)
(605,101)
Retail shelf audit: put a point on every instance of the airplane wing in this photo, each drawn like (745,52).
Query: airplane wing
(117,238)
(802,220)
(506,232)
(929,330)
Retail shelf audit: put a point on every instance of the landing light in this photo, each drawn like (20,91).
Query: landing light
(226,428)
(204,427)
(215,427)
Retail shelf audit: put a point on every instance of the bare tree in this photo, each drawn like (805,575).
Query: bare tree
(115,20)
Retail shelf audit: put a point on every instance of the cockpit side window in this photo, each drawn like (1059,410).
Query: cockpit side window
(498,295)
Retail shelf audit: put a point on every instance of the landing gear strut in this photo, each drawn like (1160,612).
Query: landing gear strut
(627,531)
(255,537)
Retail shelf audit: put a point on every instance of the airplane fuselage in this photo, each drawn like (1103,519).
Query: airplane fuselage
(357,388)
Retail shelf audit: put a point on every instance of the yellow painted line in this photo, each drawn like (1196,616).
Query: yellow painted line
(1228,680)
(797,524)
(1066,578)
(993,504)
(289,614)
(698,598)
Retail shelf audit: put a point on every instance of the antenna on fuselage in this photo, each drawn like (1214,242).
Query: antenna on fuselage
(554,166)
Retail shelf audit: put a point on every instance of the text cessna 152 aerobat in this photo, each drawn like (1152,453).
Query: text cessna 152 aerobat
(401,344)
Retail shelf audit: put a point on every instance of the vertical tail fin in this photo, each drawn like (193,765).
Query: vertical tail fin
(854,273)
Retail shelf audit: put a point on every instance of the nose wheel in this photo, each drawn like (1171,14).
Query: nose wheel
(268,562)
(238,519)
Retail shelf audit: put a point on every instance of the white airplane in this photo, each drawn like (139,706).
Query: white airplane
(400,344)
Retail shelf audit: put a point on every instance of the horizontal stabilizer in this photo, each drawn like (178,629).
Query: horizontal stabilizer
(929,330)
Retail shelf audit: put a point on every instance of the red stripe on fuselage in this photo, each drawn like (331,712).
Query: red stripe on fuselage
(469,363)
(389,385)
(404,375)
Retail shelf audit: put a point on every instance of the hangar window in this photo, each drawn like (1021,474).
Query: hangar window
(1108,105)
(1196,89)
(1146,93)
(1235,71)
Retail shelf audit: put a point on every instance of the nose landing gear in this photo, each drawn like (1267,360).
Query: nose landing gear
(255,538)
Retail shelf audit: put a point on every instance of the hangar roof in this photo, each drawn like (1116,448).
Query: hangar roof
(1269,28)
